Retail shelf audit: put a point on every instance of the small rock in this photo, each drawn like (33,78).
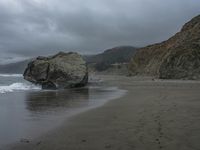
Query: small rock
(38,143)
(84,140)
(108,146)
(25,141)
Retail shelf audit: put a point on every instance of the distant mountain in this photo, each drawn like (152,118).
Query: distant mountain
(111,56)
(17,67)
(99,62)
(176,58)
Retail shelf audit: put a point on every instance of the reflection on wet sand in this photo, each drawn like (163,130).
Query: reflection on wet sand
(53,100)
(26,115)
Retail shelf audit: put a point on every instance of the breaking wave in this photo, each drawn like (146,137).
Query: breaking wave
(11,75)
(18,87)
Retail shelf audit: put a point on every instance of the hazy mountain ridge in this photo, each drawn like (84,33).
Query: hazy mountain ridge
(99,62)
(176,58)
(103,61)
(17,67)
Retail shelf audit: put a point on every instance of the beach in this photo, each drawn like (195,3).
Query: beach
(152,115)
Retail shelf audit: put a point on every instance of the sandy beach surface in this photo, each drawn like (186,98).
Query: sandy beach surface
(152,115)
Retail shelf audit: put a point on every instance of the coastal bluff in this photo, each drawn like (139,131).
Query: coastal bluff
(176,58)
(60,71)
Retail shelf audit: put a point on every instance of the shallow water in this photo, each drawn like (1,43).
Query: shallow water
(15,82)
(25,114)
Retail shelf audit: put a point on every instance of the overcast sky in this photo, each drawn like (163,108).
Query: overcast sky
(39,27)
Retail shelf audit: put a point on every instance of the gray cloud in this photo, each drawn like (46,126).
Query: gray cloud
(37,27)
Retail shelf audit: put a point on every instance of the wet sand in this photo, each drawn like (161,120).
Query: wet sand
(153,115)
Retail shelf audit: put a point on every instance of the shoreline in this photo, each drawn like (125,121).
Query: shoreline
(151,115)
(43,111)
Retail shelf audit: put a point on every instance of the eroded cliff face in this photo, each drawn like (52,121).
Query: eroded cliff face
(176,58)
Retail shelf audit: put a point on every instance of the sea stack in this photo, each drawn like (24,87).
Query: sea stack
(61,71)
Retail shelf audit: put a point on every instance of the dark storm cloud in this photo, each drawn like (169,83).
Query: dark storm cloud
(33,27)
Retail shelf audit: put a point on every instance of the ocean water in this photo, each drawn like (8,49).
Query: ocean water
(27,111)
(15,82)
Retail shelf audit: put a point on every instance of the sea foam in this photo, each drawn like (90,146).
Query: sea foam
(11,75)
(18,87)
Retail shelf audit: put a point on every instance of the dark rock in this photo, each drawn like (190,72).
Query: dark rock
(108,146)
(25,141)
(83,140)
(63,70)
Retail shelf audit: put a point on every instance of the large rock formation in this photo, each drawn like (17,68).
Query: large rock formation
(176,58)
(63,70)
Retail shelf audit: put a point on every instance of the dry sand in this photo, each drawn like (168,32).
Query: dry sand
(152,115)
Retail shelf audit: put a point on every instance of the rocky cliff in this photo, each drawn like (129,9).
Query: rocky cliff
(176,58)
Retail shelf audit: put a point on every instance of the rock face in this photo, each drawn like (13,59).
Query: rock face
(176,58)
(63,70)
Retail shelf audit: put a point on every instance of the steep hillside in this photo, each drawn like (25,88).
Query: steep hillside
(104,60)
(176,58)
